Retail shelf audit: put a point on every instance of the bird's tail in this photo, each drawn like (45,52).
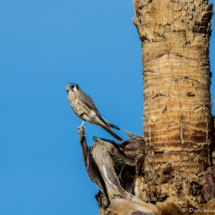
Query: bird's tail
(110,124)
(111,133)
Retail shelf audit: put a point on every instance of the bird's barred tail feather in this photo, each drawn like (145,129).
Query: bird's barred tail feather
(110,124)
(111,133)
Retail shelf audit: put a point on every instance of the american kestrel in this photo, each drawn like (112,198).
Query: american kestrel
(85,108)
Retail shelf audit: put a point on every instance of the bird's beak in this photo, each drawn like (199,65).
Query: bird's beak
(67,88)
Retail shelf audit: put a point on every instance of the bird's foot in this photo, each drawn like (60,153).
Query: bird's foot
(81,133)
(81,130)
(80,113)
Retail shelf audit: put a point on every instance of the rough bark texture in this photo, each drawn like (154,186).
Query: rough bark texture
(177,110)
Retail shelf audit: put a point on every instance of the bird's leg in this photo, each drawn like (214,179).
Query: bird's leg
(82,125)
(80,113)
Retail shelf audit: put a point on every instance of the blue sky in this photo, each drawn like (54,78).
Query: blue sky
(44,46)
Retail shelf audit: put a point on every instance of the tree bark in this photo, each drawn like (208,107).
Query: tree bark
(177,110)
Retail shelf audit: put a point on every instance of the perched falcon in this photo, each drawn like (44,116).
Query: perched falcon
(85,108)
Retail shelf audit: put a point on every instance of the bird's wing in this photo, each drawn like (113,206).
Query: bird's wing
(89,102)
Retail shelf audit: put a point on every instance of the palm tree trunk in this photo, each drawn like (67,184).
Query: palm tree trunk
(177,110)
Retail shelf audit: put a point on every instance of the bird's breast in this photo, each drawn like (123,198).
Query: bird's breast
(78,105)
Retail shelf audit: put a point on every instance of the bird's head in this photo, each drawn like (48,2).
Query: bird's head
(72,88)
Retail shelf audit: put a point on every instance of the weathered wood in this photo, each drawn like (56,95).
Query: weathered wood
(103,160)
(92,170)
(133,136)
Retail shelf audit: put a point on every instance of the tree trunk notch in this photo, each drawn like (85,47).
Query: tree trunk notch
(177,110)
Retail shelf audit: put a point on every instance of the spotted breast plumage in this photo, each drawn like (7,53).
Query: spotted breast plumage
(85,108)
